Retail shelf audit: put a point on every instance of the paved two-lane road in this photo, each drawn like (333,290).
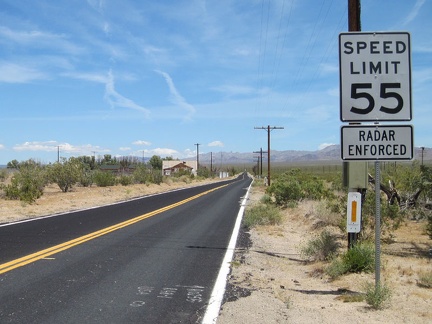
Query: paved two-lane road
(150,260)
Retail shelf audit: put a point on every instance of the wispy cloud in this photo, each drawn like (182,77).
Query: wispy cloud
(115,99)
(14,73)
(40,39)
(414,12)
(92,77)
(176,97)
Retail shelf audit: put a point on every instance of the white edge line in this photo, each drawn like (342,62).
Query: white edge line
(216,298)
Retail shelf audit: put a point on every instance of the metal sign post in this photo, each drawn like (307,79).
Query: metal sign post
(377,224)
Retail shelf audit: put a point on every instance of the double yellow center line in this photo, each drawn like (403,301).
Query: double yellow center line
(8,266)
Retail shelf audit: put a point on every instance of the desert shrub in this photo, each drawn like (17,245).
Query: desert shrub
(125,180)
(336,268)
(429,225)
(321,248)
(377,296)
(360,258)
(266,199)
(66,173)
(425,279)
(185,178)
(3,174)
(295,185)
(104,179)
(156,177)
(391,217)
(327,216)
(86,178)
(285,191)
(27,183)
(141,174)
(262,215)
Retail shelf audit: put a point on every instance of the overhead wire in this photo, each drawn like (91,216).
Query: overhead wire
(261,57)
(306,57)
(327,52)
(269,80)
(279,50)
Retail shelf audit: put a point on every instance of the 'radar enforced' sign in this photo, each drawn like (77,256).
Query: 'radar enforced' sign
(371,142)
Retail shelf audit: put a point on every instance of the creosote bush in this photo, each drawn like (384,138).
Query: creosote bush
(360,258)
(66,173)
(104,179)
(294,185)
(27,183)
(125,180)
(378,297)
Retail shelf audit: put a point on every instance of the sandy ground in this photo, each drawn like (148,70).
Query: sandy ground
(285,289)
(270,282)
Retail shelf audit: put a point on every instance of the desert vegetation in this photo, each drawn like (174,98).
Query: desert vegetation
(26,180)
(406,193)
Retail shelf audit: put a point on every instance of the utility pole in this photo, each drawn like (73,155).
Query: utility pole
(268,129)
(261,158)
(211,163)
(354,23)
(58,154)
(422,151)
(258,162)
(197,145)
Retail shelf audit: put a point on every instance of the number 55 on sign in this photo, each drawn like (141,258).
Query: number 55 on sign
(375,76)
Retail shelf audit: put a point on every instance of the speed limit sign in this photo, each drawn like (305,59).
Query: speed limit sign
(375,76)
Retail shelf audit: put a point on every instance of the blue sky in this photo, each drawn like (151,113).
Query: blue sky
(156,77)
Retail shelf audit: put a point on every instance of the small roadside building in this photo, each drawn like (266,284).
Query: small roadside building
(171,167)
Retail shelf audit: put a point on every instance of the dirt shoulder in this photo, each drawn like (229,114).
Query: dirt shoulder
(271,283)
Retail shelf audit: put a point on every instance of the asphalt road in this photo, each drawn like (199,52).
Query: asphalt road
(150,260)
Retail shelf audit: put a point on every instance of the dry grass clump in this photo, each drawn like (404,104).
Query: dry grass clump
(425,279)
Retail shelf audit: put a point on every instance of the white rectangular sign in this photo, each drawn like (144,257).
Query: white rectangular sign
(375,76)
(377,142)
(354,212)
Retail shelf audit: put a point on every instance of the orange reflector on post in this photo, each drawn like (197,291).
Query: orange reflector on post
(354,211)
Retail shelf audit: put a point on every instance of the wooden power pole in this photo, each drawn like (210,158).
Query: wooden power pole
(268,129)
(261,158)
(354,25)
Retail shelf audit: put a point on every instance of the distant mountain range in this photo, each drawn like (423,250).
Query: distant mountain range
(329,154)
